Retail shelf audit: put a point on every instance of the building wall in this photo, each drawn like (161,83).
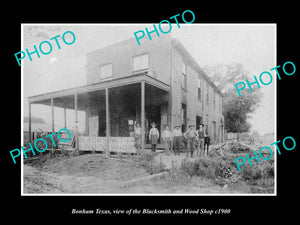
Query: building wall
(166,60)
(121,55)
(178,96)
(189,96)
(212,111)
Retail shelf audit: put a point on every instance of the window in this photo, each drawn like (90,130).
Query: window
(214,130)
(141,63)
(214,99)
(106,72)
(207,94)
(199,89)
(183,76)
(183,117)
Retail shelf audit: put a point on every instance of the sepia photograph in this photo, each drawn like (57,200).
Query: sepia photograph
(144,109)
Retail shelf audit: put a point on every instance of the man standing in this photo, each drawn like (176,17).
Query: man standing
(201,135)
(177,136)
(206,142)
(138,137)
(190,135)
(153,136)
(166,137)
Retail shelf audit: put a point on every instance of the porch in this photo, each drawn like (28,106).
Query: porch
(111,108)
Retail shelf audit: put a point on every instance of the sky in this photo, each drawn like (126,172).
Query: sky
(252,45)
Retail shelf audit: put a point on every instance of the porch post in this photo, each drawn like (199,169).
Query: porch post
(65,118)
(52,124)
(29,123)
(76,122)
(143,114)
(107,121)
(87,122)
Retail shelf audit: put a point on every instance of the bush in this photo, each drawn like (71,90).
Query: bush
(200,167)
(251,173)
(152,167)
(269,171)
(155,167)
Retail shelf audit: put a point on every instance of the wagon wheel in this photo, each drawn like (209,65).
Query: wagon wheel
(182,147)
(125,132)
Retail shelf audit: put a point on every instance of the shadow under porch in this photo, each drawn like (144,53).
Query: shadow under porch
(125,110)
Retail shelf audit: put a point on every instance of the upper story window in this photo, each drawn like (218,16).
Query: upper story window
(106,71)
(214,99)
(141,63)
(220,104)
(183,75)
(207,94)
(199,89)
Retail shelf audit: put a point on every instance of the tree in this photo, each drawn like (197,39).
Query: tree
(236,109)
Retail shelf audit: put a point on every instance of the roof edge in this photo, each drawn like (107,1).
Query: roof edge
(176,43)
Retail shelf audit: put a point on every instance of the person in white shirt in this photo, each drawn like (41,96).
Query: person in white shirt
(153,136)
(191,135)
(166,137)
(201,136)
(138,137)
(177,138)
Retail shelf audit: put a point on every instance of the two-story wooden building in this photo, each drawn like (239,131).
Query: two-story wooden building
(157,81)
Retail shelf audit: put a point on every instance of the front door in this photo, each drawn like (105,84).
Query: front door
(215,130)
(199,121)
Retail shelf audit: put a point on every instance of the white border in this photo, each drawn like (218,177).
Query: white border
(179,194)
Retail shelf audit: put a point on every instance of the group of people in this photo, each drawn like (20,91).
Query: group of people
(195,139)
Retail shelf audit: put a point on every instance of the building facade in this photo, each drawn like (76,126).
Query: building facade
(193,99)
(157,81)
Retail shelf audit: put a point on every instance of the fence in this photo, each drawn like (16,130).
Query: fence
(116,144)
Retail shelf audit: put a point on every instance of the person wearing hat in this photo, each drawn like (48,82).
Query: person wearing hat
(138,137)
(166,137)
(201,135)
(153,136)
(191,136)
(177,137)
(206,142)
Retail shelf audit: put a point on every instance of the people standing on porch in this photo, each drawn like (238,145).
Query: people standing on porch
(177,138)
(191,136)
(166,137)
(201,135)
(138,137)
(153,136)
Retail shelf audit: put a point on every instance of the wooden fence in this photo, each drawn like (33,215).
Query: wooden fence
(116,144)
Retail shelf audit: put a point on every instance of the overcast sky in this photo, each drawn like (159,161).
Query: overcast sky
(252,45)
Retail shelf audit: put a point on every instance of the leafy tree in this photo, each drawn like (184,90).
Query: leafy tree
(236,109)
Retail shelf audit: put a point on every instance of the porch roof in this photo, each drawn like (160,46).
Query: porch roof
(117,82)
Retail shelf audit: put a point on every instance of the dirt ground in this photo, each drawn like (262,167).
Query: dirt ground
(90,173)
(96,174)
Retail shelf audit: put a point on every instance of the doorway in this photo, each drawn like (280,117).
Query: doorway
(199,120)
(183,117)
(215,130)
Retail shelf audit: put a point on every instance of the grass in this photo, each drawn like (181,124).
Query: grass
(222,170)
(151,166)
(200,167)
(208,174)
